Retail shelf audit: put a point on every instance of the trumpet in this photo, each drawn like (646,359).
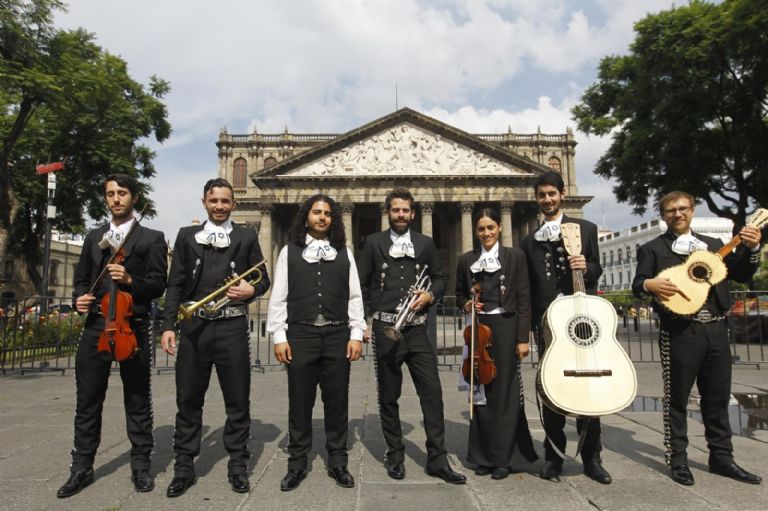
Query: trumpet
(218,298)
(404,311)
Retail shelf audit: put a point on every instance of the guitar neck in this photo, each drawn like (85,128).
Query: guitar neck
(578,281)
(728,248)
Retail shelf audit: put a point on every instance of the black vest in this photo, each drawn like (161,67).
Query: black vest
(399,276)
(317,288)
(490,289)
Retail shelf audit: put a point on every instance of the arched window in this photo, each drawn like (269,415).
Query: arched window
(620,254)
(554,163)
(240,173)
(270,161)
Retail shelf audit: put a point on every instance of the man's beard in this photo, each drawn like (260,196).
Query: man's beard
(398,229)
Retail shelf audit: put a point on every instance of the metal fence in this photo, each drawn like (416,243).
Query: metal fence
(32,340)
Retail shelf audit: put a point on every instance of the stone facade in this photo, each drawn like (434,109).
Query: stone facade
(450,172)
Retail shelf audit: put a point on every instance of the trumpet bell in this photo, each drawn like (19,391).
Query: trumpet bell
(393,333)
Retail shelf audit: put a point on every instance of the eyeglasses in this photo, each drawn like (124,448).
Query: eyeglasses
(671,211)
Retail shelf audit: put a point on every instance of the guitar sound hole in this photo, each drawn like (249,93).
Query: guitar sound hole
(700,272)
(583,330)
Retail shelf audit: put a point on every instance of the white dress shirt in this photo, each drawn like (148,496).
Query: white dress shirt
(277,319)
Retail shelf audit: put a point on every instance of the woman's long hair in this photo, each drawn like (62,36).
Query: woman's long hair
(298,232)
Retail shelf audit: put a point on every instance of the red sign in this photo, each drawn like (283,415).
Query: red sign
(50,167)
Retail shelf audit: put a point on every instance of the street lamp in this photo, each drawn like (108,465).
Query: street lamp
(49,169)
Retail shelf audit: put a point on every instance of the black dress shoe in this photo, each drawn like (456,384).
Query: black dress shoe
(551,470)
(682,475)
(292,479)
(179,486)
(449,475)
(500,473)
(342,476)
(240,483)
(483,471)
(76,482)
(142,480)
(594,470)
(396,470)
(735,472)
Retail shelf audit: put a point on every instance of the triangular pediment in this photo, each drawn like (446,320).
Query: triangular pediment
(405,143)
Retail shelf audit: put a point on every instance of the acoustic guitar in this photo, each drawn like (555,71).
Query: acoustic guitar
(701,271)
(584,372)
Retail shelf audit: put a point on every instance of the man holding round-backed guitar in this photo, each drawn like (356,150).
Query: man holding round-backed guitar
(694,344)
(550,269)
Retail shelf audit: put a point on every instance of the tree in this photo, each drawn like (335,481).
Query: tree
(62,96)
(687,108)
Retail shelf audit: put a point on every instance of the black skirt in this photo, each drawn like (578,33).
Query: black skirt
(499,434)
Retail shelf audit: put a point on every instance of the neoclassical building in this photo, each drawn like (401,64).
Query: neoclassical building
(450,172)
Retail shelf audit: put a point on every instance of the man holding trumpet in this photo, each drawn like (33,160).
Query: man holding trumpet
(389,266)
(204,256)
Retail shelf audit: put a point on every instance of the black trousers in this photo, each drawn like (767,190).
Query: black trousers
(319,357)
(223,343)
(92,369)
(696,352)
(554,423)
(418,353)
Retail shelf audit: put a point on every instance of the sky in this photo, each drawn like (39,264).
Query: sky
(328,66)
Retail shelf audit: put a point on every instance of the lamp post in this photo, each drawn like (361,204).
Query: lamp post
(49,169)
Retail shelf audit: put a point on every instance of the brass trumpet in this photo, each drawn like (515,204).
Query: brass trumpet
(404,312)
(218,298)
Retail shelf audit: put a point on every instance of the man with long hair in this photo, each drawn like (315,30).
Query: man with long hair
(317,326)
(389,265)
(143,275)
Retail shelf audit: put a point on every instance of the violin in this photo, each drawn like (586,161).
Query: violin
(479,367)
(117,338)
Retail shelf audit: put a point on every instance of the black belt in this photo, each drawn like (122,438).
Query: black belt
(706,316)
(388,317)
(321,321)
(228,312)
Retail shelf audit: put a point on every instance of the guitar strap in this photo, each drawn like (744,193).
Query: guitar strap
(582,436)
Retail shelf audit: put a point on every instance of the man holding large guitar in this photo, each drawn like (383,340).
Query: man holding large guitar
(694,347)
(550,269)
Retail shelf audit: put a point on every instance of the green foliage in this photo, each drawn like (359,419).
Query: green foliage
(687,108)
(64,97)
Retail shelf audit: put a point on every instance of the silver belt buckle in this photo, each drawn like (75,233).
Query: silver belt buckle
(704,316)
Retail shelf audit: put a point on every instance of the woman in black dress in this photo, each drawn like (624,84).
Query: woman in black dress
(498,434)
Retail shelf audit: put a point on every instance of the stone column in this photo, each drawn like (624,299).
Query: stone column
(466,226)
(346,216)
(384,216)
(426,218)
(507,236)
(265,235)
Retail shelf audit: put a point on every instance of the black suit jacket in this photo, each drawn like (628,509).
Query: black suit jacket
(146,261)
(376,253)
(243,249)
(657,255)
(516,297)
(544,290)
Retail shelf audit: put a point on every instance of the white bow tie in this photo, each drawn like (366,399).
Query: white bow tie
(687,243)
(549,231)
(317,250)
(214,235)
(487,263)
(402,247)
(112,238)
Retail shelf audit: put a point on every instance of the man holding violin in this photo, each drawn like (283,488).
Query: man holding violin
(142,275)
(388,267)
(205,256)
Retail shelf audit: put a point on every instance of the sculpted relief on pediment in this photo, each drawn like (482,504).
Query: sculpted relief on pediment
(409,150)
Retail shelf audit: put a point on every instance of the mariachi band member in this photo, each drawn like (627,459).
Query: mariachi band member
(389,264)
(550,270)
(143,275)
(317,324)
(204,256)
(695,349)
(504,306)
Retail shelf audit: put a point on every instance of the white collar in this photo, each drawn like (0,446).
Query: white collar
(405,236)
(209,226)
